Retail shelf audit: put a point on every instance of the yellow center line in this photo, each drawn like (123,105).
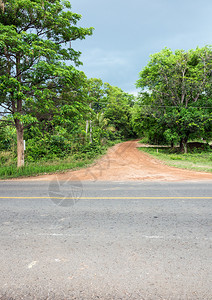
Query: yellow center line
(102,198)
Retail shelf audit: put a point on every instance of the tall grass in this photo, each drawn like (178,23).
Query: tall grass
(8,167)
(32,169)
(197,159)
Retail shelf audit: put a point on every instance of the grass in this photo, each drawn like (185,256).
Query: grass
(9,168)
(45,167)
(199,160)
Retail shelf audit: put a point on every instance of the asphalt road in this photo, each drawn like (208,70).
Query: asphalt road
(101,240)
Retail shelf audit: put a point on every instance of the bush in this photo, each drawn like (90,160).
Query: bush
(6,158)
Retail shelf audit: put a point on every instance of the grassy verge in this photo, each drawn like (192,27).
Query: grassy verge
(46,167)
(9,169)
(201,160)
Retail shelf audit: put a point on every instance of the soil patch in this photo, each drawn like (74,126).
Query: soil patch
(124,162)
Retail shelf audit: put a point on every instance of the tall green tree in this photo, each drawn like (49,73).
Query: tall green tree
(118,110)
(35,43)
(95,93)
(178,85)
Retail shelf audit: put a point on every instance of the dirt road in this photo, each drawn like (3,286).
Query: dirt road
(124,162)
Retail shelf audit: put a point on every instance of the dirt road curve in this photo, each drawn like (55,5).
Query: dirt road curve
(124,162)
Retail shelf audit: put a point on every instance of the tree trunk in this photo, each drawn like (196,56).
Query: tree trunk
(185,146)
(20,143)
(18,124)
(86,128)
(2,5)
(91,141)
(181,145)
(89,126)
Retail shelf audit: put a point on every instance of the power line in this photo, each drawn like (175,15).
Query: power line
(177,106)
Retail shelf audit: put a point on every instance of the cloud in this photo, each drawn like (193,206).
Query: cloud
(133,92)
(127,32)
(101,58)
(114,67)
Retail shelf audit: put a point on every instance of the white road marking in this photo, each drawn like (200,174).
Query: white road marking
(153,237)
(32,264)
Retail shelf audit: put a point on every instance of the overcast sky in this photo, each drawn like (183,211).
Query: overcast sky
(128,31)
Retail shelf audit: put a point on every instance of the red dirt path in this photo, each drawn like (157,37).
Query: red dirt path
(124,162)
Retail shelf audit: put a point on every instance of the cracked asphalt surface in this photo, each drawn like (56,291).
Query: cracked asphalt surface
(105,240)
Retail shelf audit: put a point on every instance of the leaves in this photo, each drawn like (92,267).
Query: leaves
(177,91)
(33,37)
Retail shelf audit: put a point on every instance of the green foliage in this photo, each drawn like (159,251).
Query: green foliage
(53,106)
(35,39)
(6,158)
(87,154)
(33,168)
(198,158)
(176,101)
(171,137)
(118,111)
(7,138)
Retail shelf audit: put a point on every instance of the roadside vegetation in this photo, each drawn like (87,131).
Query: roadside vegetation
(53,117)
(175,102)
(175,107)
(198,157)
(47,166)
